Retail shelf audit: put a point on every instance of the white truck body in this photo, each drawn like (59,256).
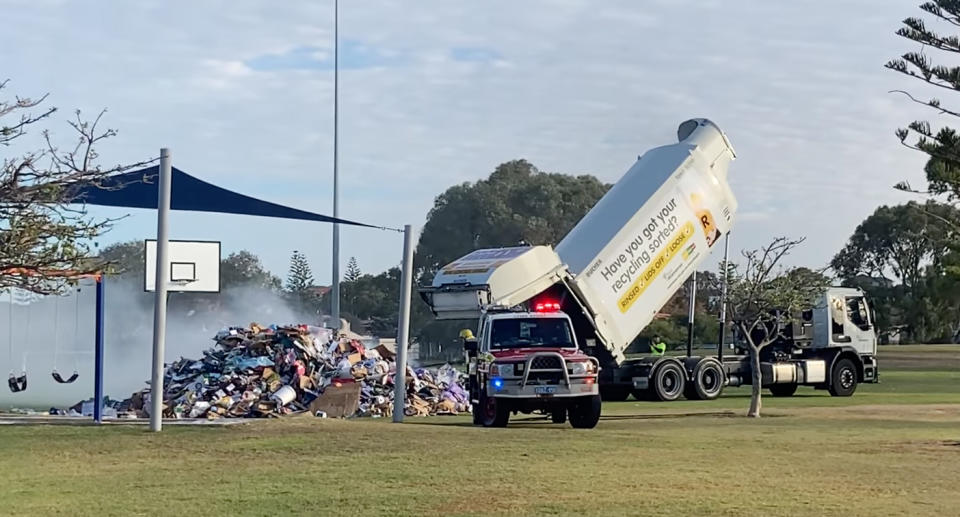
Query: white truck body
(623,261)
(627,256)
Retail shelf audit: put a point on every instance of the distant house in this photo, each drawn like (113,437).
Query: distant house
(318,290)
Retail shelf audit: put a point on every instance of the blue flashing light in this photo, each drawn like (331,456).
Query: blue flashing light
(497,383)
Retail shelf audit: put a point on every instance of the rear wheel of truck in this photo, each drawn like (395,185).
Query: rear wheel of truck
(668,382)
(783,390)
(493,413)
(843,379)
(559,415)
(614,393)
(708,380)
(585,412)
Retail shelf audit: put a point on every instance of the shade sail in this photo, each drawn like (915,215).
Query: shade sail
(138,189)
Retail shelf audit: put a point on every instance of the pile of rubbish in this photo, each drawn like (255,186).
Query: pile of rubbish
(273,371)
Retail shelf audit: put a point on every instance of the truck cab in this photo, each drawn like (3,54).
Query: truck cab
(529,361)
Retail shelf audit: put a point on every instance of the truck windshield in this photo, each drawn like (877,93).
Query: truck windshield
(531,332)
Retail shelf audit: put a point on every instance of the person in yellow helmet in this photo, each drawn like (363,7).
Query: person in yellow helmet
(657,346)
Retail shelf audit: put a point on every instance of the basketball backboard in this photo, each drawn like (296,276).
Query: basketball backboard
(194,266)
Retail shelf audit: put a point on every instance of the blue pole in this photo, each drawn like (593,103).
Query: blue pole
(98,357)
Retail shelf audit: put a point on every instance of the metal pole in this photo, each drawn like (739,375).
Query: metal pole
(403,326)
(335,287)
(160,291)
(98,355)
(690,314)
(723,297)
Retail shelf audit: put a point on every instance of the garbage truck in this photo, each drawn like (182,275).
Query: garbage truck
(608,278)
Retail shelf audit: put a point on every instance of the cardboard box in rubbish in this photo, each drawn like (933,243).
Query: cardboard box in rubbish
(386,352)
(338,401)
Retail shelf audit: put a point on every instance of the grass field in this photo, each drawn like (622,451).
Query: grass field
(891,449)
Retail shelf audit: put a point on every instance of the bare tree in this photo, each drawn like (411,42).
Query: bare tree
(763,299)
(42,231)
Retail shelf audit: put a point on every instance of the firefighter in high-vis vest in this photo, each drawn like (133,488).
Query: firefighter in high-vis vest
(657,346)
(470,347)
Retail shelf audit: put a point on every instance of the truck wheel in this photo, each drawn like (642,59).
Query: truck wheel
(783,390)
(708,380)
(559,415)
(843,379)
(614,393)
(493,413)
(669,381)
(477,414)
(585,412)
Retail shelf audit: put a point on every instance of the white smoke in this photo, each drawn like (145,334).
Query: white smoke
(192,322)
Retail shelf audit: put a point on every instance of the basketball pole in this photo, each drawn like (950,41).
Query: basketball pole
(403,327)
(160,291)
(335,260)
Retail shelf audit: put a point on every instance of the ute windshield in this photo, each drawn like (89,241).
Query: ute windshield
(531,332)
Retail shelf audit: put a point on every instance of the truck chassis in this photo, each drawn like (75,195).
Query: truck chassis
(837,369)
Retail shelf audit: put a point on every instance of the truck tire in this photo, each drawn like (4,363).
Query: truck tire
(783,390)
(843,378)
(585,412)
(493,413)
(708,381)
(559,415)
(668,381)
(614,393)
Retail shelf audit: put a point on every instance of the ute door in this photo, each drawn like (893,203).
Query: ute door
(859,325)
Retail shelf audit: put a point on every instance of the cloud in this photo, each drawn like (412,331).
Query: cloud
(353,54)
(571,85)
(475,54)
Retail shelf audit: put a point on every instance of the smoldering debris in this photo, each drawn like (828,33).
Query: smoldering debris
(262,372)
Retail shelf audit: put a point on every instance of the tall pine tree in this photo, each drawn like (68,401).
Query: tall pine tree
(353,271)
(299,278)
(933,64)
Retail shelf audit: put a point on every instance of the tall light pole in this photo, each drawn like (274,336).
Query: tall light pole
(335,287)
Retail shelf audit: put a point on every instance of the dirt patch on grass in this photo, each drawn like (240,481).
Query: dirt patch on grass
(917,412)
(919,357)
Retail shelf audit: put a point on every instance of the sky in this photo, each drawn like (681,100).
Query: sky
(438,92)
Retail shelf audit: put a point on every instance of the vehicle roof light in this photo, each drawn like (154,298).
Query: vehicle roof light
(546,307)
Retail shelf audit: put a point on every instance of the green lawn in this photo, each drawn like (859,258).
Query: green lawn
(891,449)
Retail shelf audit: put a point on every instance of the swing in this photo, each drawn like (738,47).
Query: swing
(16,383)
(56,340)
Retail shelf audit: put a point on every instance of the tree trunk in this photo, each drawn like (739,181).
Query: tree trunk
(757,383)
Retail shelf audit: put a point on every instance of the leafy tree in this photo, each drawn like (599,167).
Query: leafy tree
(516,204)
(124,259)
(41,230)
(899,241)
(762,299)
(894,256)
(243,268)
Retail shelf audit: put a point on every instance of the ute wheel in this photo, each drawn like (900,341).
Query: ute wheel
(559,415)
(585,412)
(843,379)
(493,413)
(669,381)
(708,380)
(614,393)
(783,390)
